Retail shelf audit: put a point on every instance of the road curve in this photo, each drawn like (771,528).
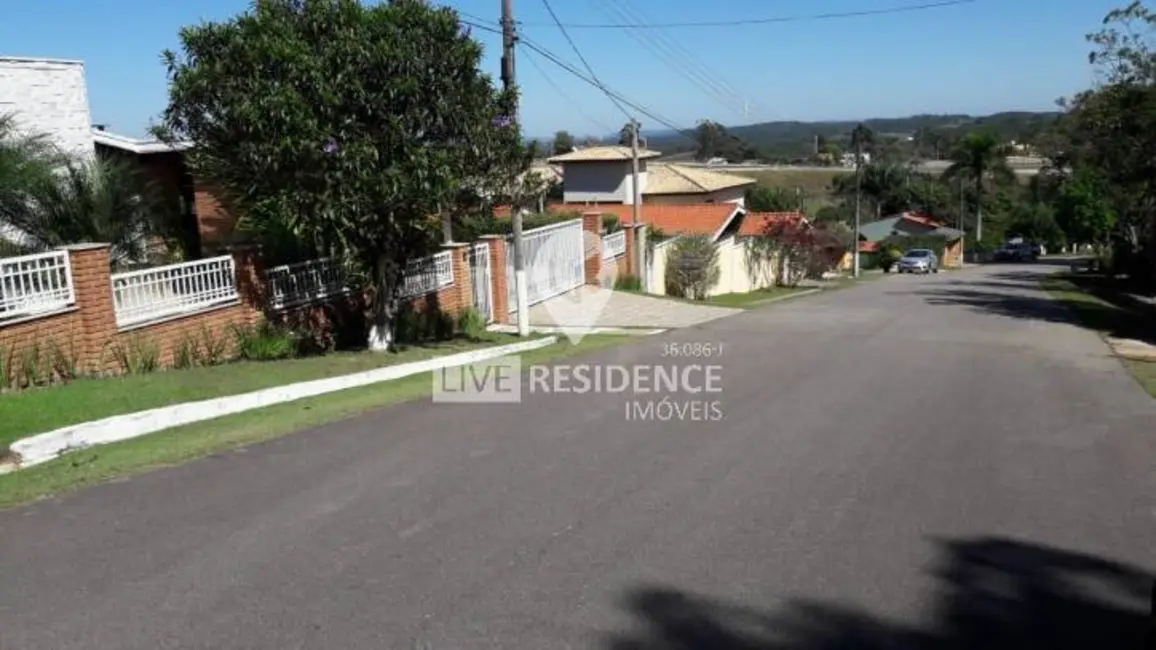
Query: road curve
(931,462)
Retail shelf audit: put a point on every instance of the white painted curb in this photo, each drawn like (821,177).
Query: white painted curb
(565,329)
(46,446)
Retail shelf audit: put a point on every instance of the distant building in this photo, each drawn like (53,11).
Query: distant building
(605,175)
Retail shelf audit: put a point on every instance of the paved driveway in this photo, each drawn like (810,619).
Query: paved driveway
(940,462)
(590,306)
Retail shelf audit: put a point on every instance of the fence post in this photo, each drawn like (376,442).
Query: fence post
(501,298)
(92,287)
(592,246)
(252,286)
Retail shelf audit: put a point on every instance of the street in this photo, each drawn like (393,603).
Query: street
(929,462)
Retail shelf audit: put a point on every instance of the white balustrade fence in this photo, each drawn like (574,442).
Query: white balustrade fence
(428,274)
(173,290)
(35,284)
(554,261)
(614,245)
(291,285)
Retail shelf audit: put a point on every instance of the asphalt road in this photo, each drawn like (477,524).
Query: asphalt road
(930,462)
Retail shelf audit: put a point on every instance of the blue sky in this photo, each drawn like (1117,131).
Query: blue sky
(981,57)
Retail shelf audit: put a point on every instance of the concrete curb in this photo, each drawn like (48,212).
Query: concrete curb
(567,330)
(46,446)
(797,294)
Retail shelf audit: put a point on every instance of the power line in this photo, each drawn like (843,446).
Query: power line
(537,66)
(585,63)
(765,21)
(568,67)
(657,43)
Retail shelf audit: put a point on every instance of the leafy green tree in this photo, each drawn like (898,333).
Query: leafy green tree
(625,134)
(563,143)
(692,267)
(980,157)
(1083,212)
(762,198)
(353,125)
(710,139)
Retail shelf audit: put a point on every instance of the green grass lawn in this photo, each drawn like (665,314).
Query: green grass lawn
(44,409)
(753,298)
(1091,300)
(165,448)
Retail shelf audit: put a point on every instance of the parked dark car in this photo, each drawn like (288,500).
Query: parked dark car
(1016,253)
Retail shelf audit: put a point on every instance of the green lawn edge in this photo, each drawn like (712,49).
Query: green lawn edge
(30,412)
(103,463)
(1104,317)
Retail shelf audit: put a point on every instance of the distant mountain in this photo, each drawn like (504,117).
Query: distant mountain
(786,140)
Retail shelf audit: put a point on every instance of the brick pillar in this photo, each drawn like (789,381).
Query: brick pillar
(457,297)
(501,298)
(592,246)
(92,286)
(251,285)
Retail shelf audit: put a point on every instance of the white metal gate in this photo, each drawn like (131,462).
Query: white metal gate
(554,261)
(483,280)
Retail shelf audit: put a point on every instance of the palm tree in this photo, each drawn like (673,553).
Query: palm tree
(979,156)
(25,161)
(97,201)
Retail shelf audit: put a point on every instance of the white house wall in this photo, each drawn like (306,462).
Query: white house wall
(600,182)
(48,97)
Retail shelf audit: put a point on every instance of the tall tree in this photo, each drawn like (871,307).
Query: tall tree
(625,134)
(353,125)
(980,157)
(26,162)
(563,143)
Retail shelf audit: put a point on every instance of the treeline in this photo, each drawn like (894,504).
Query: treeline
(925,137)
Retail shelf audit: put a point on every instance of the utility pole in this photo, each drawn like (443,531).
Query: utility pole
(636,209)
(857,136)
(521,290)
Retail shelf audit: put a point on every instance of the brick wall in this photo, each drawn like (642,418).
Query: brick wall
(215,222)
(592,246)
(88,332)
(501,297)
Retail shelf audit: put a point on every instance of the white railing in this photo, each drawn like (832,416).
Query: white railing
(173,290)
(428,274)
(555,261)
(614,245)
(302,283)
(35,284)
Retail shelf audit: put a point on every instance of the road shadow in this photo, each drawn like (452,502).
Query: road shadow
(999,296)
(995,594)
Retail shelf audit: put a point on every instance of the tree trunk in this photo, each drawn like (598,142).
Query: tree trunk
(384,307)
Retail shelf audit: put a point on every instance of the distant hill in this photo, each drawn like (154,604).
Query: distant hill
(789,140)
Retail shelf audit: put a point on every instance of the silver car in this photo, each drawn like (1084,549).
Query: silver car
(918,260)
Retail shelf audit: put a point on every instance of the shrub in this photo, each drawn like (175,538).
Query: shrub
(888,257)
(63,361)
(611,223)
(187,353)
(416,326)
(136,355)
(472,324)
(628,283)
(30,371)
(692,267)
(265,342)
(214,346)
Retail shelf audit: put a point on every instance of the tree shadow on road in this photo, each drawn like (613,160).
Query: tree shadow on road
(995,594)
(1039,306)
